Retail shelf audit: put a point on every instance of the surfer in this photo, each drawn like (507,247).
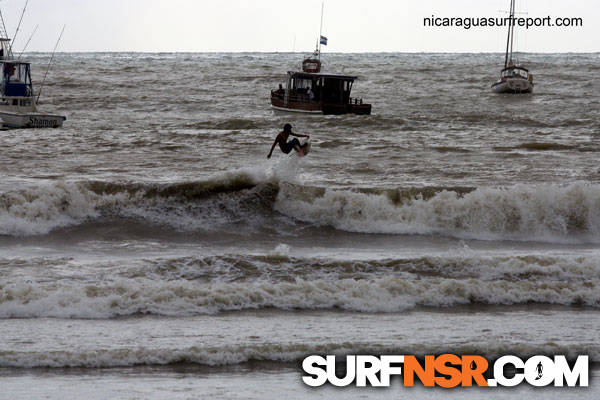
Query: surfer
(539,369)
(284,145)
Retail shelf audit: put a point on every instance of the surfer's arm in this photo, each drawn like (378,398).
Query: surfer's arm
(273,147)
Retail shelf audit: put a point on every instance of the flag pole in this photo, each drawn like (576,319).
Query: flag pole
(321,29)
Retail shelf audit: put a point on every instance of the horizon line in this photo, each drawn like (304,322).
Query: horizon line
(305,52)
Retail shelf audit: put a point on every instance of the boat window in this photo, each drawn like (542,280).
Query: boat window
(9,69)
(303,83)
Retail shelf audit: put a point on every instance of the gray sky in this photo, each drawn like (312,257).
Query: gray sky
(276,25)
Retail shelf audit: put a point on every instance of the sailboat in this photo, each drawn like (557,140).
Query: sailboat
(513,78)
(18,102)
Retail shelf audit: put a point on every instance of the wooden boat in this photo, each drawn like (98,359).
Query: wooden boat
(318,93)
(311,91)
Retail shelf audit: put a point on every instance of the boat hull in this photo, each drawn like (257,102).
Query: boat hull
(306,107)
(514,86)
(31,120)
(296,110)
(319,108)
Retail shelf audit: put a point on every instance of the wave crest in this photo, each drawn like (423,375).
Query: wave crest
(544,212)
(522,212)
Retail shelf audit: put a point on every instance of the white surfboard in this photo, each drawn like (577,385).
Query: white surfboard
(305,149)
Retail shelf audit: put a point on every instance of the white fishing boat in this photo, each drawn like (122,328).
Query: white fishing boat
(18,101)
(513,78)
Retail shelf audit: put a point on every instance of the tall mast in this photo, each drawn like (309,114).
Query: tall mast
(321,29)
(512,32)
(509,41)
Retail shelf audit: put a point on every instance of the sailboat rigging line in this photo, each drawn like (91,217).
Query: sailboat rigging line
(27,44)
(50,63)
(20,21)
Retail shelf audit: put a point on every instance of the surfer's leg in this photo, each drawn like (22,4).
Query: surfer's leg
(296,144)
(291,145)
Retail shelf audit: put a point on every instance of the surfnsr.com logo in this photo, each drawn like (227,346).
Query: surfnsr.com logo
(447,371)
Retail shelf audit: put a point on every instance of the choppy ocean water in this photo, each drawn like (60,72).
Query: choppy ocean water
(150,238)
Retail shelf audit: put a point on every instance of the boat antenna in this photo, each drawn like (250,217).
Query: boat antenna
(321,29)
(50,63)
(20,21)
(27,44)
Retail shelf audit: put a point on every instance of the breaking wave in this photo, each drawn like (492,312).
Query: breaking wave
(543,212)
(548,213)
(188,205)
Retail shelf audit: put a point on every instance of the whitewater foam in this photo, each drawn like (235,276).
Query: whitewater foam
(195,286)
(549,213)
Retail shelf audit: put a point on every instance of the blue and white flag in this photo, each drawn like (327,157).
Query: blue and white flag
(323,40)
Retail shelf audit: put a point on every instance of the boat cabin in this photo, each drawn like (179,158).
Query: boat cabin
(16,79)
(319,93)
(16,87)
(515,72)
(320,87)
